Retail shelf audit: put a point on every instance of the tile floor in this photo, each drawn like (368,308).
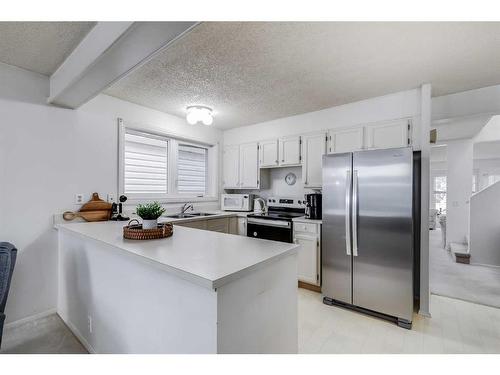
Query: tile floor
(456,327)
(469,282)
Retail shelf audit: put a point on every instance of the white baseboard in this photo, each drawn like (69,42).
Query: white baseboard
(79,336)
(31,318)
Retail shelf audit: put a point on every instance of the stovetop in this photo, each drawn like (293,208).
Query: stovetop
(280,208)
(279,215)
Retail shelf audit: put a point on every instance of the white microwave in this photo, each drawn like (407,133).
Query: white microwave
(236,202)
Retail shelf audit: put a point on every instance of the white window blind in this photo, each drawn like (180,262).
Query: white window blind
(146,161)
(191,170)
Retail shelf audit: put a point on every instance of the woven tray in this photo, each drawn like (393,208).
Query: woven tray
(135,231)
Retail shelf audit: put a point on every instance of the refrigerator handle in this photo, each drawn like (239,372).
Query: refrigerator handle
(348,213)
(354,213)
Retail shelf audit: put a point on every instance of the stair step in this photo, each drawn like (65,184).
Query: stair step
(460,252)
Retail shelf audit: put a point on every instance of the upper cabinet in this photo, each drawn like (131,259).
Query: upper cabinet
(241,166)
(268,153)
(249,166)
(289,151)
(242,162)
(313,149)
(346,139)
(231,167)
(389,134)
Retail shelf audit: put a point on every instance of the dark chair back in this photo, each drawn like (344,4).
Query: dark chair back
(8,254)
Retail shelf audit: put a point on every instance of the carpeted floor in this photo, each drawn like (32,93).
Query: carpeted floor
(468,282)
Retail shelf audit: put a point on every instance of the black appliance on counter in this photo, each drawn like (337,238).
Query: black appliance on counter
(276,223)
(313,206)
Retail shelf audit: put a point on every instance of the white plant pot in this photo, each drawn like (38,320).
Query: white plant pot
(149,224)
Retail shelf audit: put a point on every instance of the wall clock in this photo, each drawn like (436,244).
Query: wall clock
(290,179)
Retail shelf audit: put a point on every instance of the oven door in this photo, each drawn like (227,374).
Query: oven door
(276,230)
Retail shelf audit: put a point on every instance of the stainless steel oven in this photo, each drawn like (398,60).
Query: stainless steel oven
(276,224)
(276,230)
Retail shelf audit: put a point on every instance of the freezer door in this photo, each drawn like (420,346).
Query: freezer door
(382,231)
(336,257)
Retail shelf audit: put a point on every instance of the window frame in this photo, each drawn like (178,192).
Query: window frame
(173,141)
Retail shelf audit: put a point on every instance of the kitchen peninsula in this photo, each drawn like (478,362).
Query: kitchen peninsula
(195,292)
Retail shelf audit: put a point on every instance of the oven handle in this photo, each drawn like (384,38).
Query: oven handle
(270,223)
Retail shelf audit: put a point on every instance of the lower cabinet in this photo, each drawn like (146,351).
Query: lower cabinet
(218,225)
(215,225)
(308,236)
(242,226)
(231,225)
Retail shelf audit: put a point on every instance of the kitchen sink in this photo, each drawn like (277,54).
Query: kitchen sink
(192,214)
(180,216)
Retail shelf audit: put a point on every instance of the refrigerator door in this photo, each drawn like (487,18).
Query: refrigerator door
(336,239)
(383,256)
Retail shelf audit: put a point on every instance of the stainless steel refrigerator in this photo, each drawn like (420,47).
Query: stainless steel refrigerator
(367,232)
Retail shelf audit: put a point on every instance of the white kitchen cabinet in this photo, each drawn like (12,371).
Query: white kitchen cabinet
(231,167)
(242,226)
(389,134)
(241,166)
(268,153)
(289,151)
(313,149)
(346,139)
(249,166)
(308,236)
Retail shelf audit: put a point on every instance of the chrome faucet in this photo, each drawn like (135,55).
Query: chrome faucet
(186,207)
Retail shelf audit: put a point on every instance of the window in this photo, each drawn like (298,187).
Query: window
(145,165)
(192,170)
(157,167)
(439,193)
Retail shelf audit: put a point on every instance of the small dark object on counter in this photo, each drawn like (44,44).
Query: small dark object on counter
(117,214)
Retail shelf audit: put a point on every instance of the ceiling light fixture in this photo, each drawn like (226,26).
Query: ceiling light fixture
(199,113)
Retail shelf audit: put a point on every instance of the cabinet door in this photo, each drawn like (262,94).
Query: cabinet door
(388,134)
(242,226)
(218,225)
(233,225)
(289,151)
(249,166)
(268,153)
(198,224)
(313,149)
(231,166)
(346,139)
(307,259)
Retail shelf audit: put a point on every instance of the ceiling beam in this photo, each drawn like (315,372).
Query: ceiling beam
(110,51)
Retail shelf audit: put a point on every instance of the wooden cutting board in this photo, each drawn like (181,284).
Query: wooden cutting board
(96,204)
(94,210)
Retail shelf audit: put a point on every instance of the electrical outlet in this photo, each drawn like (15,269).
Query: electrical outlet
(79,198)
(89,321)
(111,198)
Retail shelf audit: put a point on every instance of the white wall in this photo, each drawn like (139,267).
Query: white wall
(485,224)
(49,154)
(459,189)
(399,105)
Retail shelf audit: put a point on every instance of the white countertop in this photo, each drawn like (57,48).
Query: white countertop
(207,258)
(303,219)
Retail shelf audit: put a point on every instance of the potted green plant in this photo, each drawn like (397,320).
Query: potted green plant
(149,213)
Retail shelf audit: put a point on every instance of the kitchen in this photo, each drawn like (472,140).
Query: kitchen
(270,207)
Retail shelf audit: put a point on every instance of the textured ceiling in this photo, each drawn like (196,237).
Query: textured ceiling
(259,71)
(40,46)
